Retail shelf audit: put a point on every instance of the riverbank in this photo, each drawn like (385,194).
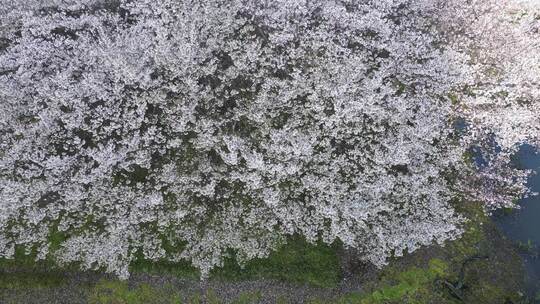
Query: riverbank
(481,267)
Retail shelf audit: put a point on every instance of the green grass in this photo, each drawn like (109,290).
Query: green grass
(118,292)
(248,298)
(298,262)
(30,279)
(410,286)
(211,297)
(182,269)
(23,272)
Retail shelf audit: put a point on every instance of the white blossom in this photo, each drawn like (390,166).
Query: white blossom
(217,125)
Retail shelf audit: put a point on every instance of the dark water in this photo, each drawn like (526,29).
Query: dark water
(523,225)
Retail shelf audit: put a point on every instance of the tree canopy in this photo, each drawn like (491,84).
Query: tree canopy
(139,127)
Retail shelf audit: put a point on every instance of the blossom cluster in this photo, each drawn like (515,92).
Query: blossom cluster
(182,129)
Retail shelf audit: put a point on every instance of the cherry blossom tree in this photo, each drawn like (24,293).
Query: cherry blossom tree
(193,129)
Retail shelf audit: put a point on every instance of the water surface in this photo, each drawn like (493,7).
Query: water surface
(523,225)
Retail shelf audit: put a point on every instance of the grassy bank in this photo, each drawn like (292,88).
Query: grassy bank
(481,267)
